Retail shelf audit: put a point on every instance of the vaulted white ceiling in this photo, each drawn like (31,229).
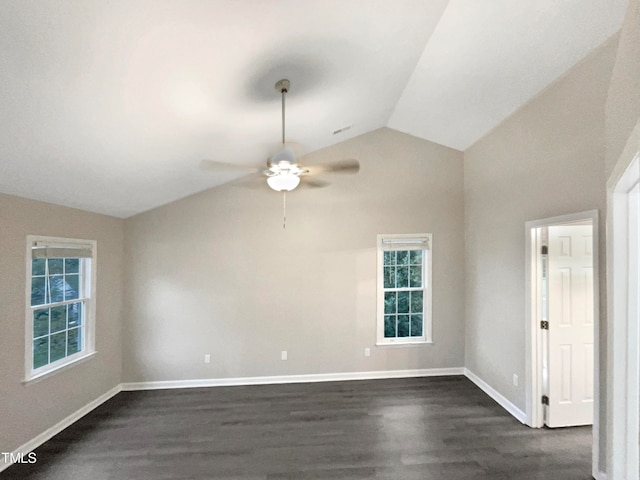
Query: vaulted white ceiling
(111,106)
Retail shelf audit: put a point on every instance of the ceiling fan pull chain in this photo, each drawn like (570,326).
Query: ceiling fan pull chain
(284,209)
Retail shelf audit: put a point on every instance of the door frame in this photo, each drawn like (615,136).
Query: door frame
(623,413)
(533,336)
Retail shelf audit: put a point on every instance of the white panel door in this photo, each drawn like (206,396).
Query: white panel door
(570,303)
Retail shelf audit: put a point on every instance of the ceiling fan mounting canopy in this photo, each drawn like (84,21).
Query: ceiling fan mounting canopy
(283,85)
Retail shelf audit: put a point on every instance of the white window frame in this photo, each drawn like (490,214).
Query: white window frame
(88,276)
(411,241)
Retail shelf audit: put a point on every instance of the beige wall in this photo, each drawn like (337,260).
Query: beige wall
(27,411)
(216,272)
(546,160)
(623,101)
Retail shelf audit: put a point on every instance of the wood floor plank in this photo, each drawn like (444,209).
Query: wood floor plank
(441,428)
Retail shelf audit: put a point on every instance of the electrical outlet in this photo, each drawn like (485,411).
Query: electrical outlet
(515,380)
(283,355)
(207,358)
(367,352)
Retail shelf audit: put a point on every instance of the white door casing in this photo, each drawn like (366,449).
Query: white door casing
(633,338)
(571,326)
(623,447)
(534,338)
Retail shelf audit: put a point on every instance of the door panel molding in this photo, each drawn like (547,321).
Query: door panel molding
(570,334)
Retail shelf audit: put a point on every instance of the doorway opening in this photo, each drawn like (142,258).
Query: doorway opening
(562,322)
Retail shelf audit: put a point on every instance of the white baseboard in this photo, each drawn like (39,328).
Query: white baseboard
(601,476)
(279,379)
(34,443)
(502,401)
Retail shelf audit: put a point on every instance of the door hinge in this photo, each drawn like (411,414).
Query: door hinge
(545,400)
(544,250)
(544,324)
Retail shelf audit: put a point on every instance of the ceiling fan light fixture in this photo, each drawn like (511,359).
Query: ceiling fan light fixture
(284,181)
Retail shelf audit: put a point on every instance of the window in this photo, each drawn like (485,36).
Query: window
(60,307)
(404,288)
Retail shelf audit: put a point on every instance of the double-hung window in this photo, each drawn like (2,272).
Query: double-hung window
(60,306)
(404,288)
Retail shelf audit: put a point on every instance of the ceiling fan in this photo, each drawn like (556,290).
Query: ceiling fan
(283,172)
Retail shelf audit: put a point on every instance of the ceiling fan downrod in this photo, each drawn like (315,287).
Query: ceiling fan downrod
(283,86)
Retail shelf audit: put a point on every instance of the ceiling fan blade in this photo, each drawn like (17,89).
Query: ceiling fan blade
(252,182)
(313,182)
(235,175)
(225,168)
(348,165)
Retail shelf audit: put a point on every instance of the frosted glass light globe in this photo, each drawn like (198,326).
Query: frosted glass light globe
(283,181)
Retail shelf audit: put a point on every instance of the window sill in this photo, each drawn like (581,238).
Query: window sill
(404,344)
(41,376)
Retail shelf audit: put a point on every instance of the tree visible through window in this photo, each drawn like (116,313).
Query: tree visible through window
(57,314)
(60,296)
(403,288)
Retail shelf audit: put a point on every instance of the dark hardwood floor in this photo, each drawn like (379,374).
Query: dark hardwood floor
(441,428)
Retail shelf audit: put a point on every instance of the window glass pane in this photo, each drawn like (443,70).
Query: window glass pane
(415,257)
(71,265)
(389,326)
(56,266)
(71,288)
(74,344)
(402,277)
(403,325)
(389,277)
(40,322)
(37,266)
(390,302)
(403,302)
(58,346)
(416,325)
(40,352)
(417,304)
(58,318)
(403,287)
(402,257)
(56,288)
(38,290)
(75,314)
(415,275)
